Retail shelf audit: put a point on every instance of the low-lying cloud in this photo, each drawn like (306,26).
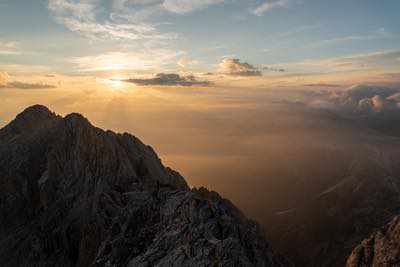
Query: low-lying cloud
(25,86)
(374,107)
(319,85)
(169,79)
(364,98)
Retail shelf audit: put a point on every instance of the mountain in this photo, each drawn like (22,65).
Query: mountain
(382,248)
(72,194)
(323,232)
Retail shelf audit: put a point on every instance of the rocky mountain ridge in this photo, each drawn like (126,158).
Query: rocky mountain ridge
(72,194)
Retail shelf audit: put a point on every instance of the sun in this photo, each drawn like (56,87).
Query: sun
(116,84)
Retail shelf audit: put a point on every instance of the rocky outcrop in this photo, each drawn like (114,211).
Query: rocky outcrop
(72,194)
(381,249)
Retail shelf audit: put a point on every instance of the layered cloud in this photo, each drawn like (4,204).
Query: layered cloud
(25,86)
(144,60)
(381,33)
(122,19)
(234,67)
(321,85)
(384,60)
(172,79)
(7,83)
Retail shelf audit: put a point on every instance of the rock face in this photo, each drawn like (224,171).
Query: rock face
(381,249)
(72,194)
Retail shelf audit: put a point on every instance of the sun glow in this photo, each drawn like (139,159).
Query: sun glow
(115,82)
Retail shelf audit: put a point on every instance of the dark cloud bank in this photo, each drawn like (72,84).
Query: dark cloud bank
(171,79)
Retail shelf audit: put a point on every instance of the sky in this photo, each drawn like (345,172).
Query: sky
(86,37)
(195,78)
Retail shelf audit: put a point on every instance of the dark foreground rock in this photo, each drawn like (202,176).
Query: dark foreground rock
(381,249)
(74,195)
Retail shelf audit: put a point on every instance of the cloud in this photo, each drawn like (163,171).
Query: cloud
(144,60)
(125,20)
(26,86)
(9,48)
(361,100)
(5,83)
(172,79)
(270,5)
(233,67)
(321,85)
(84,10)
(376,35)
(185,6)
(122,19)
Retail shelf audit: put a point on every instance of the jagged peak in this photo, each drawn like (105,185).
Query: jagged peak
(36,112)
(77,119)
(37,108)
(31,117)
